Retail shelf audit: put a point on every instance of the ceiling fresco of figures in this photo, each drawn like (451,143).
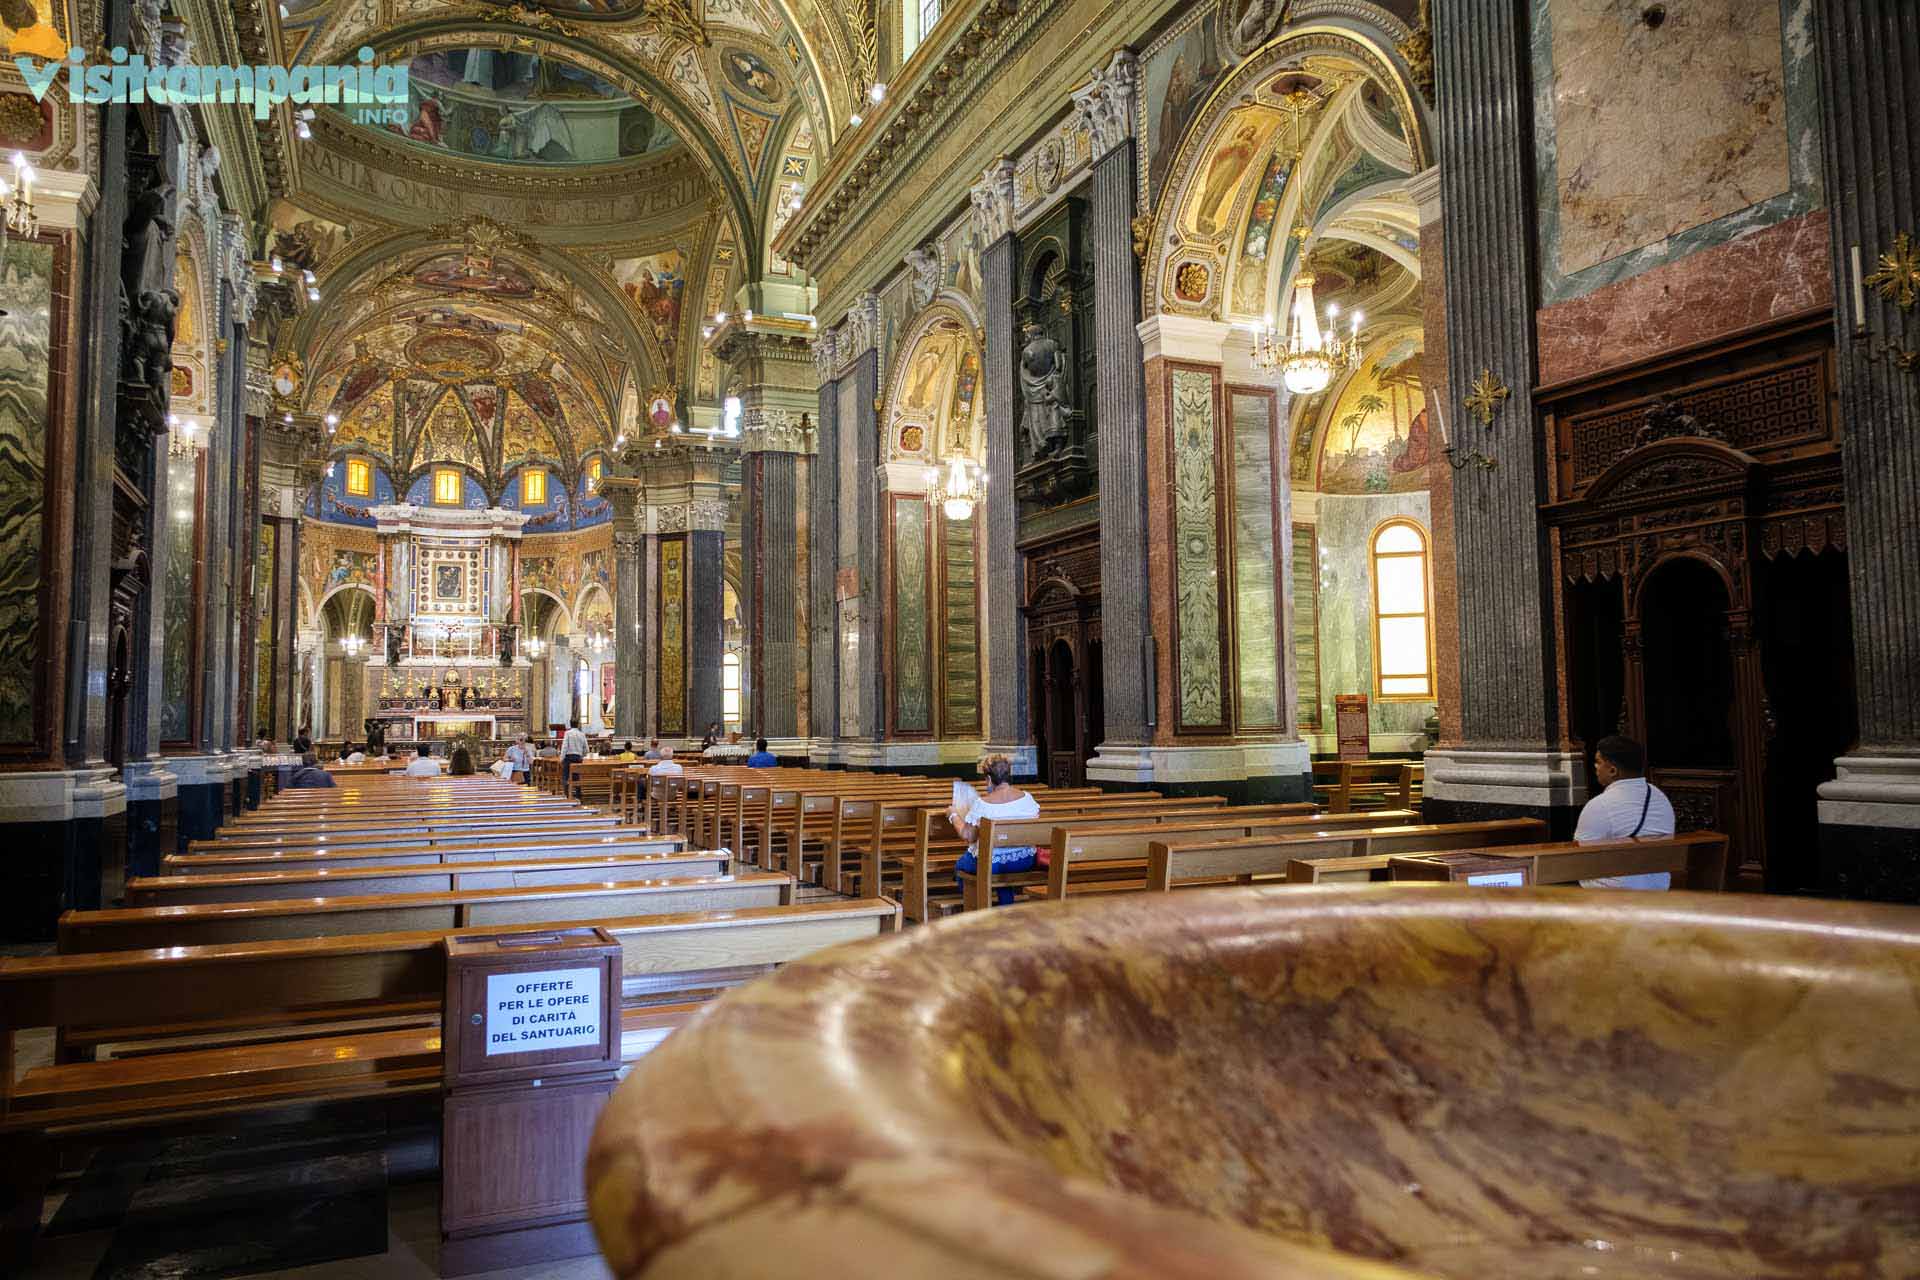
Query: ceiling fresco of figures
(522,108)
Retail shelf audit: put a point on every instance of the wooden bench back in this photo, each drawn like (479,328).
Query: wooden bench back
(1270,856)
(558,846)
(272,884)
(1127,841)
(132,928)
(442,836)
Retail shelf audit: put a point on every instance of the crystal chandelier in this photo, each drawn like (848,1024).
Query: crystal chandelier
(1311,355)
(958,488)
(20,218)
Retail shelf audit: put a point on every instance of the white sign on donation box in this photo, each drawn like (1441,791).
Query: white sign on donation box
(534,1012)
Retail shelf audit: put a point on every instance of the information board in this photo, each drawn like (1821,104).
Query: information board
(548,1009)
(1350,723)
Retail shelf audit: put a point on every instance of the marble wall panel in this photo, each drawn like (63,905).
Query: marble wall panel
(1776,272)
(1256,611)
(961,713)
(1306,626)
(1196,551)
(177,647)
(673,636)
(912,656)
(1653,141)
(26,333)
(1344,529)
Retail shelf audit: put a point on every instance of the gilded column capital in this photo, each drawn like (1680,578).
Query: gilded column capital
(1105,104)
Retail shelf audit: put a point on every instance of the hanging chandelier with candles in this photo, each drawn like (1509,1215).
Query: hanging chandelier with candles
(20,219)
(1311,355)
(958,487)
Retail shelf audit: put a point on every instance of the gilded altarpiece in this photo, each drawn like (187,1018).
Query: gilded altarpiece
(673,636)
(1199,618)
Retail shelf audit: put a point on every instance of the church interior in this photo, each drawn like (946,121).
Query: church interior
(960,638)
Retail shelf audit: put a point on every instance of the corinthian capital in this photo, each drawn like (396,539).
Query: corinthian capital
(993,201)
(1105,104)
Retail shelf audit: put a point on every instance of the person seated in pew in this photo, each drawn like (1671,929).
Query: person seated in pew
(350,754)
(423,765)
(626,755)
(1003,800)
(653,749)
(761,757)
(666,766)
(462,765)
(310,774)
(1629,806)
(713,735)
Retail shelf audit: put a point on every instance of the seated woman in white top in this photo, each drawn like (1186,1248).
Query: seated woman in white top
(1629,807)
(423,765)
(351,754)
(1003,800)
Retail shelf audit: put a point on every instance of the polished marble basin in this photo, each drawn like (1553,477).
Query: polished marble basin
(1296,1082)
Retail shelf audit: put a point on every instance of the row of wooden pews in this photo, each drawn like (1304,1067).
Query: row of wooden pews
(299,956)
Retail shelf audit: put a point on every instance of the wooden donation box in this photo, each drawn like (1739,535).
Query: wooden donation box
(531,1038)
(1464,868)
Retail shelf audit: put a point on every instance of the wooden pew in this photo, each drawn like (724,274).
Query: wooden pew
(595,843)
(132,928)
(420,822)
(1111,854)
(1696,860)
(440,837)
(1240,860)
(188,1011)
(332,882)
(1378,783)
(937,848)
(592,781)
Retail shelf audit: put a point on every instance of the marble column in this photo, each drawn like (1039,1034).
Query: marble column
(1510,759)
(706,626)
(823,534)
(1106,108)
(627,606)
(1870,813)
(1009,727)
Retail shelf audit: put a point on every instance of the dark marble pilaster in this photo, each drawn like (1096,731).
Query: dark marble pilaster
(774,590)
(1122,413)
(861,692)
(823,534)
(706,637)
(1870,814)
(1508,736)
(1008,727)
(628,605)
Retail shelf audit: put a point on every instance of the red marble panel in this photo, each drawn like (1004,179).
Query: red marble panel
(1780,271)
(1440,475)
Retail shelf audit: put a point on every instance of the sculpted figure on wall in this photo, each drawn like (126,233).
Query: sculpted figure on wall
(1044,391)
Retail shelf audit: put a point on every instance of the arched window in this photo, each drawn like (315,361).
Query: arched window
(730,691)
(1402,614)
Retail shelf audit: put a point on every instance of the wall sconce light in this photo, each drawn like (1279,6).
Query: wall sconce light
(1455,458)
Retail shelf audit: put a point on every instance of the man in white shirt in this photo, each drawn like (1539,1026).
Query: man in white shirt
(573,749)
(667,764)
(1628,807)
(423,765)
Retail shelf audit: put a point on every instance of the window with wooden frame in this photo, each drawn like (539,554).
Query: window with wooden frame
(446,487)
(359,478)
(1402,614)
(533,487)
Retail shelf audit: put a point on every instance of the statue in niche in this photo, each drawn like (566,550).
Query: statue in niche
(1043,390)
(151,355)
(146,260)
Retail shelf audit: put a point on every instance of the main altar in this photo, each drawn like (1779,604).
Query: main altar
(447,662)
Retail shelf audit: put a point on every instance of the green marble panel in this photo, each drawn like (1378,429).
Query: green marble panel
(912,660)
(265,550)
(1196,554)
(176,632)
(26,295)
(961,654)
(1255,610)
(1306,625)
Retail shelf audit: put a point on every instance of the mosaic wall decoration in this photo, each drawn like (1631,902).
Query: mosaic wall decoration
(673,636)
(1257,619)
(176,636)
(1306,625)
(912,663)
(26,295)
(1377,440)
(961,653)
(1196,552)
